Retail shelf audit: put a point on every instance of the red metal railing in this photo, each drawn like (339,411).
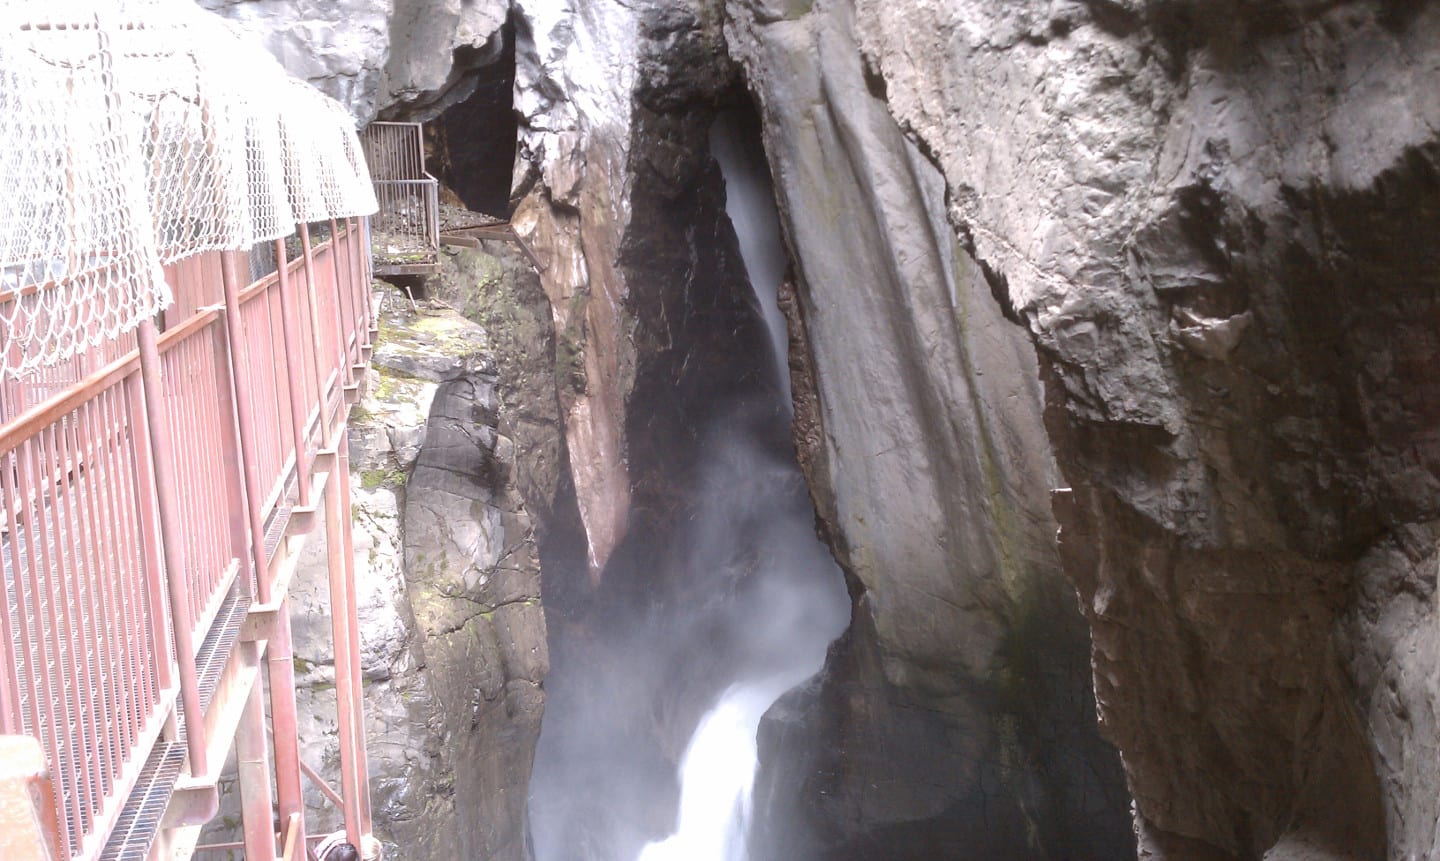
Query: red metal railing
(103,585)
(89,666)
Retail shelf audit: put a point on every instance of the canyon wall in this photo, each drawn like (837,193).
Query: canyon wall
(1210,220)
(1162,273)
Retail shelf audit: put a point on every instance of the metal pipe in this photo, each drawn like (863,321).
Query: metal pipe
(288,322)
(347,319)
(320,784)
(142,491)
(352,614)
(253,771)
(335,516)
(170,544)
(353,237)
(245,412)
(284,721)
(237,514)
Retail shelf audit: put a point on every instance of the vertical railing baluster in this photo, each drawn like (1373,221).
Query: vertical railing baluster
(32,623)
(75,573)
(44,568)
(103,526)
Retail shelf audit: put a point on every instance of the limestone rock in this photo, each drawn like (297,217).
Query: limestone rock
(374,54)
(1209,220)
(452,636)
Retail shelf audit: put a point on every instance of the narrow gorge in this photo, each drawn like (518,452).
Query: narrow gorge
(1030,409)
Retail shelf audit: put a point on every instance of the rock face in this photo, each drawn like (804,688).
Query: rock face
(374,54)
(963,724)
(943,718)
(1213,224)
(452,634)
(1210,224)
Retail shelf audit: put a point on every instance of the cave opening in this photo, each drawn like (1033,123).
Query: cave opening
(470,144)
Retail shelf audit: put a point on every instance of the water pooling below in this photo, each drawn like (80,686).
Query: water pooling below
(660,679)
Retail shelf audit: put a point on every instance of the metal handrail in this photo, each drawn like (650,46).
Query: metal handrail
(99,636)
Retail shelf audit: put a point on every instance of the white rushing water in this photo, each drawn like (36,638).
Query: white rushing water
(806,607)
(750,203)
(717,776)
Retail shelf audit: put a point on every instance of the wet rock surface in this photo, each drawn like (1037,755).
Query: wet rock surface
(1213,224)
(452,634)
(1206,225)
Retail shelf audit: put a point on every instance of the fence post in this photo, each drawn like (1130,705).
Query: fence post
(245,413)
(285,721)
(352,615)
(150,553)
(172,543)
(234,471)
(252,765)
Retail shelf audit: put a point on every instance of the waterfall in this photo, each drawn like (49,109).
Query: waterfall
(698,630)
(805,606)
(750,203)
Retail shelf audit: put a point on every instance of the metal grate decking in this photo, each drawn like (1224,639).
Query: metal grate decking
(140,819)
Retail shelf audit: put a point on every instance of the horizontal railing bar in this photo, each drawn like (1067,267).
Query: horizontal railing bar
(46,413)
(171,338)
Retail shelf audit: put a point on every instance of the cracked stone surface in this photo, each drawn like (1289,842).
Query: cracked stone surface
(452,634)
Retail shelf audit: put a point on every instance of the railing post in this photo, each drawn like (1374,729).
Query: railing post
(172,543)
(288,322)
(245,413)
(233,469)
(354,236)
(150,553)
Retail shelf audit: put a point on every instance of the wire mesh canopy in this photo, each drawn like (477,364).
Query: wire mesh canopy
(135,133)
